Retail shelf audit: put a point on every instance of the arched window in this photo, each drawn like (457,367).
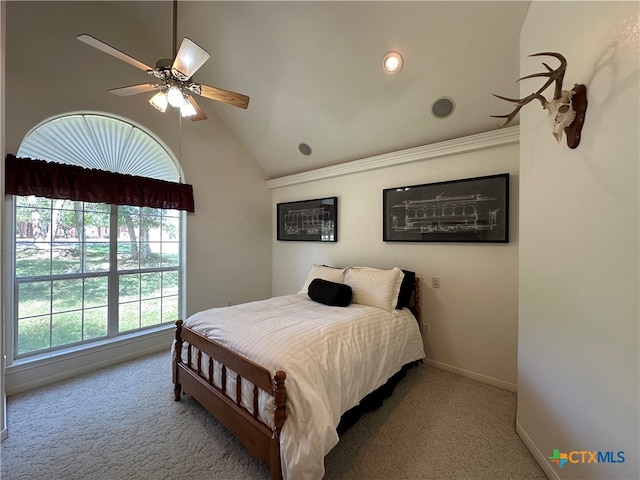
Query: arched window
(86,271)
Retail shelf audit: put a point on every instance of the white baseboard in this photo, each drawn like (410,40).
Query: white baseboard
(473,375)
(542,460)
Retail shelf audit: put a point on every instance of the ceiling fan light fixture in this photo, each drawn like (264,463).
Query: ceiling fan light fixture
(175,97)
(175,85)
(392,62)
(159,101)
(187,110)
(189,59)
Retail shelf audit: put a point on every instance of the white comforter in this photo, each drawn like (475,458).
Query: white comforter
(333,357)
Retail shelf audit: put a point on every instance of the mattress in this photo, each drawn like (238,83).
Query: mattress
(333,357)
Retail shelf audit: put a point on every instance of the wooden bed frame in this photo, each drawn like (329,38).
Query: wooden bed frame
(262,441)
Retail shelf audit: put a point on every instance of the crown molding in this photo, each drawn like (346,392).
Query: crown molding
(471,143)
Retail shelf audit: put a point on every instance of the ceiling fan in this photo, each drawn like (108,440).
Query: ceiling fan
(176,86)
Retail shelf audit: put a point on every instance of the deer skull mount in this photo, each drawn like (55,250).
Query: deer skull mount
(566,109)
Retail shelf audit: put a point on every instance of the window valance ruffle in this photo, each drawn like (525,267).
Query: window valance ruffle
(24,176)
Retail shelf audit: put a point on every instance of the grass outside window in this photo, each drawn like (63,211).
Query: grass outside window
(84,270)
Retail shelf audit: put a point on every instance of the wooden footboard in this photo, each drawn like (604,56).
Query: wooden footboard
(262,441)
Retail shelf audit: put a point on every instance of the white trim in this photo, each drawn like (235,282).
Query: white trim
(473,375)
(537,454)
(481,141)
(8,283)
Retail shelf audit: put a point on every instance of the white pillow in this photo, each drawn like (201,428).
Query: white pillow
(374,287)
(326,273)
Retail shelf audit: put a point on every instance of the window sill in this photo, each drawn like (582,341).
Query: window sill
(38,370)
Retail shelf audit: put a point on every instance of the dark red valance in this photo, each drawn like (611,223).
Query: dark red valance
(24,176)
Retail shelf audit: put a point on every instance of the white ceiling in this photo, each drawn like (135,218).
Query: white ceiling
(313,71)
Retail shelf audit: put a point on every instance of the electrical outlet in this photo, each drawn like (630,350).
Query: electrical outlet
(435,282)
(427,328)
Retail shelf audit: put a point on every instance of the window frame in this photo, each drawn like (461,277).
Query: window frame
(113,335)
(81,350)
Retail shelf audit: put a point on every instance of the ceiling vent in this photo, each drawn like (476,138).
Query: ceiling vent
(304,149)
(442,107)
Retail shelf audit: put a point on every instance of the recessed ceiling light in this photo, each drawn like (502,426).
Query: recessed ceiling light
(392,62)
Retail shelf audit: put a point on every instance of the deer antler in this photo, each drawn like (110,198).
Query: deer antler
(556,76)
(521,103)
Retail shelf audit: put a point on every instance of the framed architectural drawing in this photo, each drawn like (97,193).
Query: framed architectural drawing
(467,210)
(309,220)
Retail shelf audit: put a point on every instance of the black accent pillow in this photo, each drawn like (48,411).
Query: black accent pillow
(406,289)
(330,293)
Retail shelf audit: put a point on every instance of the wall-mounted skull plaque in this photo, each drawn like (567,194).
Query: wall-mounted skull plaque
(566,109)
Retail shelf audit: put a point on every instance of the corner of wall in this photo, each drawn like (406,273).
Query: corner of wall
(579,275)
(476,337)
(3,416)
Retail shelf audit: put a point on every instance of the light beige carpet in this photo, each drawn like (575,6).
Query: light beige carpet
(122,423)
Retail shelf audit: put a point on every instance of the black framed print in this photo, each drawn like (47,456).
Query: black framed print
(466,210)
(308,220)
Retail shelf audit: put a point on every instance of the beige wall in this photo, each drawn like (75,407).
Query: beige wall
(3,422)
(228,236)
(228,257)
(473,315)
(579,245)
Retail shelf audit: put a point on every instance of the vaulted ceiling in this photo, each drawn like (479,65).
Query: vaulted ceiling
(313,71)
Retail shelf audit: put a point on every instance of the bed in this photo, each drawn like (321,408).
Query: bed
(281,373)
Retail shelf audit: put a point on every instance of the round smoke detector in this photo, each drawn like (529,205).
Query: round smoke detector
(442,107)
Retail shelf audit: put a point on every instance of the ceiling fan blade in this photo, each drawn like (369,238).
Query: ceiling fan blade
(199,113)
(135,89)
(224,96)
(189,59)
(100,45)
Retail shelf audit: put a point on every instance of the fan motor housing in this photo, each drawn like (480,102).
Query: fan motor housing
(164,64)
